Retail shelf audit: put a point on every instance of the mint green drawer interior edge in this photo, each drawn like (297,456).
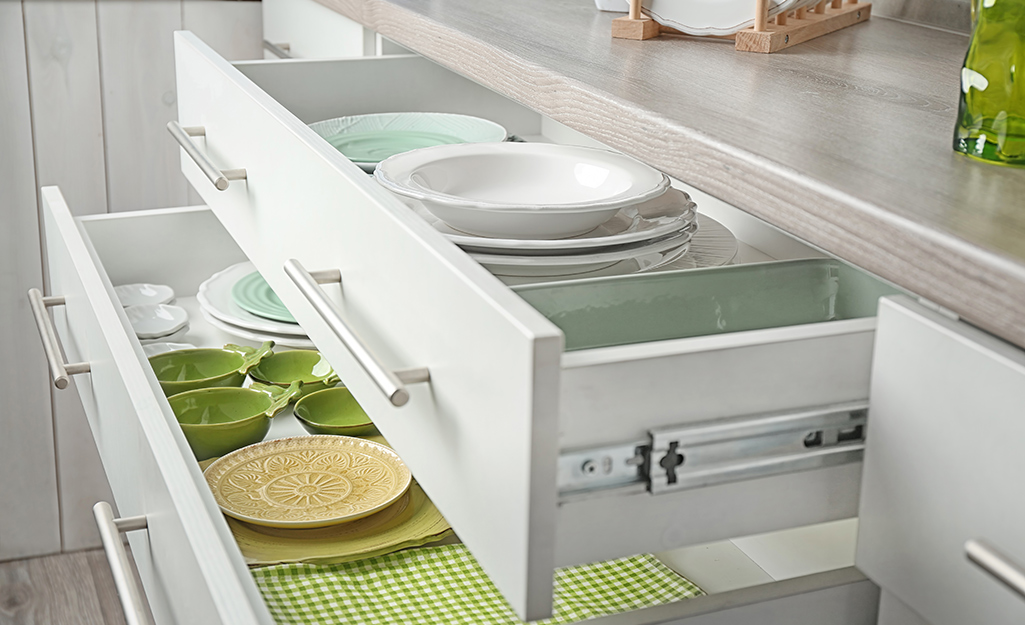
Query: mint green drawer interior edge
(621,310)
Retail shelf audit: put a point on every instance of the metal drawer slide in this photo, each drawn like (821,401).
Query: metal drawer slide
(721,451)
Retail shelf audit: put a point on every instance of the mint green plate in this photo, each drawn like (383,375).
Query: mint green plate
(376,145)
(369,139)
(254,295)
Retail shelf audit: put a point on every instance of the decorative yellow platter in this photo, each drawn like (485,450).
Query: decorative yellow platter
(307,481)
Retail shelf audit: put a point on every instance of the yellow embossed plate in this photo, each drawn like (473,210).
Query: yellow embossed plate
(307,481)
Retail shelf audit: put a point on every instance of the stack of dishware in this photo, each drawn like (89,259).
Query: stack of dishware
(533,209)
(239,301)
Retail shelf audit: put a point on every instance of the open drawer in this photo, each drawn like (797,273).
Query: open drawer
(538,456)
(187,557)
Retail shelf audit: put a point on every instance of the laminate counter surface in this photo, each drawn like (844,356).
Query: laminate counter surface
(844,141)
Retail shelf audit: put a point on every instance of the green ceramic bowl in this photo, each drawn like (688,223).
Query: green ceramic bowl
(219,420)
(333,411)
(283,368)
(190,369)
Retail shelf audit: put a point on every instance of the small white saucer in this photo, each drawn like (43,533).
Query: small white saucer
(152,349)
(153,321)
(142,293)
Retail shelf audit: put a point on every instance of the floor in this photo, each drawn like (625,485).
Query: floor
(68,588)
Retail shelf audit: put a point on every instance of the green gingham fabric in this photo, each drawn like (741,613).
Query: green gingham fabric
(445,585)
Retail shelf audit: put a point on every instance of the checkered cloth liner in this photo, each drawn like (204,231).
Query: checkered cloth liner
(445,585)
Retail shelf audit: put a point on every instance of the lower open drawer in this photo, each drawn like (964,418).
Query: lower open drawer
(189,563)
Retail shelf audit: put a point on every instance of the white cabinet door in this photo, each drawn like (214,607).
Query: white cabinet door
(943,465)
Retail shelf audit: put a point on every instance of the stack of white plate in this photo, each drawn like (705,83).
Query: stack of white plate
(538,210)
(221,309)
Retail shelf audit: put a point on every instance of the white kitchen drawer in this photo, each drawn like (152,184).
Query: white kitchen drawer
(943,465)
(485,434)
(186,557)
(190,565)
(309,30)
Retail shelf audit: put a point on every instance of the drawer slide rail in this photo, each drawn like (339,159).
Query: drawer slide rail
(722,451)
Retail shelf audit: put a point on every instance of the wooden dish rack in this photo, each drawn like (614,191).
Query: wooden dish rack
(789,29)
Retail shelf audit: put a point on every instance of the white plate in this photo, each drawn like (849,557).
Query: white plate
(152,349)
(712,245)
(521,176)
(142,293)
(664,215)
(647,253)
(215,298)
(710,17)
(153,321)
(283,340)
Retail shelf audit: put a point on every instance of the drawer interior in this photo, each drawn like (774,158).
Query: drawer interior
(621,310)
(501,385)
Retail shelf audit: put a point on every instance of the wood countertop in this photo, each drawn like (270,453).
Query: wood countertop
(843,141)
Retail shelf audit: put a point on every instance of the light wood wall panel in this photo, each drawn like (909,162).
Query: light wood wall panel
(233,29)
(28,486)
(64,82)
(137,65)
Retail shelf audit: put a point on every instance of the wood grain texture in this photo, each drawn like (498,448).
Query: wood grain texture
(139,98)
(844,141)
(65,589)
(67,118)
(234,29)
(26,446)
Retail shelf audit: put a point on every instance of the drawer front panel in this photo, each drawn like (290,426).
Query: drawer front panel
(190,568)
(480,436)
(943,465)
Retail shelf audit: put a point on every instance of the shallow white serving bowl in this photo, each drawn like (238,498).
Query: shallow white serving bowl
(143,293)
(368,139)
(152,321)
(521,190)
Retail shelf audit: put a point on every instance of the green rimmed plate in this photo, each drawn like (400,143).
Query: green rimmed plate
(411,521)
(369,139)
(254,295)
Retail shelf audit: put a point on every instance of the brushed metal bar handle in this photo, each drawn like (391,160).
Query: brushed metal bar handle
(183,135)
(390,382)
(110,534)
(280,50)
(991,560)
(59,370)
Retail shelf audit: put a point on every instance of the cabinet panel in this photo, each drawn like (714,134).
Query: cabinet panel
(26,449)
(943,465)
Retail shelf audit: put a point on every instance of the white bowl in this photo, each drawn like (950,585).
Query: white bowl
(368,139)
(521,190)
(143,293)
(152,321)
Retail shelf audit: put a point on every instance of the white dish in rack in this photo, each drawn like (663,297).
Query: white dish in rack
(704,17)
(154,321)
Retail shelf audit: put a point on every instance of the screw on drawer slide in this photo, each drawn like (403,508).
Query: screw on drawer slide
(721,451)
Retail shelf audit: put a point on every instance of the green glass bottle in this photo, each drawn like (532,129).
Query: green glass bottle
(991,115)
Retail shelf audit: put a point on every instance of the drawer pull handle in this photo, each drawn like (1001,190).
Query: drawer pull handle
(59,370)
(990,559)
(280,50)
(184,136)
(390,382)
(110,534)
